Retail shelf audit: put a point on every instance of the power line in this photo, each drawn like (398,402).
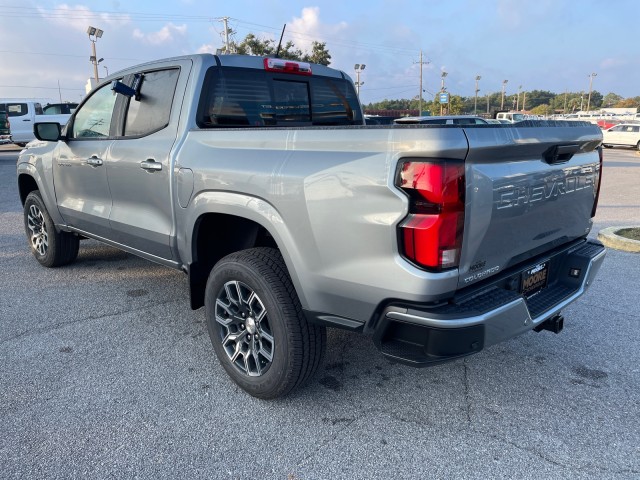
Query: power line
(41,88)
(66,55)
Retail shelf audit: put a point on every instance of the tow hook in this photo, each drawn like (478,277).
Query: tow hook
(554,324)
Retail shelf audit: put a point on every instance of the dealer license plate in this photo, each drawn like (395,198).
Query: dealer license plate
(535,279)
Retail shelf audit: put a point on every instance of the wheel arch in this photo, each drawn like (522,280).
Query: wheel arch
(216,235)
(26,185)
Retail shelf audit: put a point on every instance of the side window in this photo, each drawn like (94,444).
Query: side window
(16,109)
(234,98)
(617,128)
(93,119)
(636,129)
(151,113)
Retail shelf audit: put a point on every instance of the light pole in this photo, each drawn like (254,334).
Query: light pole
(94,34)
(106,70)
(442,89)
(590,86)
(358,68)
(504,86)
(475,103)
(518,98)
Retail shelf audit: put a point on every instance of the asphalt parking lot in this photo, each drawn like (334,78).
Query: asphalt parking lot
(107,373)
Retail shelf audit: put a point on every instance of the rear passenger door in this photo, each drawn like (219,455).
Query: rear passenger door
(139,168)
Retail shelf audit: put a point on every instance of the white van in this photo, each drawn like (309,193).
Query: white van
(23,114)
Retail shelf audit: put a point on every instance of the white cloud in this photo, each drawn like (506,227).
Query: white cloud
(166,34)
(308,28)
(608,63)
(79,17)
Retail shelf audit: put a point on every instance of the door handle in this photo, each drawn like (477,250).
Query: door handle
(151,165)
(94,161)
(26,120)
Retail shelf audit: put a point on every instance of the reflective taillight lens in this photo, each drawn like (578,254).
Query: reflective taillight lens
(597,182)
(431,235)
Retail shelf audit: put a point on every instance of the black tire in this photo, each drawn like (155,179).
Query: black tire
(50,247)
(606,145)
(638,146)
(253,313)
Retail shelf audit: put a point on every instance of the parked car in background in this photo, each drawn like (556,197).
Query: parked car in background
(379,119)
(23,114)
(627,134)
(5,128)
(58,108)
(607,123)
(443,120)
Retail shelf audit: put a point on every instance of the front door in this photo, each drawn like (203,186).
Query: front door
(79,166)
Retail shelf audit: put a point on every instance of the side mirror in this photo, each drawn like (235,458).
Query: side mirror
(47,131)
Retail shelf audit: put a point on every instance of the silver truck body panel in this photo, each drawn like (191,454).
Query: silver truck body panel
(517,204)
(326,195)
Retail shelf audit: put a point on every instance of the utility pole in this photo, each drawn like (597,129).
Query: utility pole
(565,102)
(488,96)
(421,63)
(475,103)
(358,67)
(590,86)
(225,21)
(518,98)
(524,101)
(504,86)
(94,34)
(442,89)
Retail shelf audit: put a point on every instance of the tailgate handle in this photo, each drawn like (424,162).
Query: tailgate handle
(560,153)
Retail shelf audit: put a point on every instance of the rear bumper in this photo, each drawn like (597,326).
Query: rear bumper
(421,335)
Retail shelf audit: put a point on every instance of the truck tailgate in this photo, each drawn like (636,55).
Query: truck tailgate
(528,190)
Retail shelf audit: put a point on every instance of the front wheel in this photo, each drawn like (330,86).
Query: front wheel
(50,247)
(256,324)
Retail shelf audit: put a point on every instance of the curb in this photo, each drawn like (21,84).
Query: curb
(610,239)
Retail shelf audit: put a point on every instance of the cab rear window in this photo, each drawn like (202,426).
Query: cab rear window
(238,97)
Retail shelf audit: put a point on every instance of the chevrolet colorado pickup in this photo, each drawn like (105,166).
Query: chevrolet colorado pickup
(258,178)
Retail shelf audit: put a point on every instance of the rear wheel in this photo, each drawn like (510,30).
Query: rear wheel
(50,247)
(638,146)
(257,327)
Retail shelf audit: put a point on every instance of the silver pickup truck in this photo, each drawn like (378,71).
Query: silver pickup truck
(258,178)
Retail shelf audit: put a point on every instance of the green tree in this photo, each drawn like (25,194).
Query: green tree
(538,97)
(610,99)
(252,45)
(542,110)
(319,54)
(630,102)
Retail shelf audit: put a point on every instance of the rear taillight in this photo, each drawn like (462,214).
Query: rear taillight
(597,181)
(287,66)
(431,235)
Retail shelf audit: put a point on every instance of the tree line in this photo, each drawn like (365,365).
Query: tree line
(539,102)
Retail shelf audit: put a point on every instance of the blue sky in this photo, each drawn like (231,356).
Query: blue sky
(543,44)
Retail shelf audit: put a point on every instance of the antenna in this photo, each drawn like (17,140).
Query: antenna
(280,42)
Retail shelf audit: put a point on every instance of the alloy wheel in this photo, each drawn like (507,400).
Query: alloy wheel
(244,330)
(38,229)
